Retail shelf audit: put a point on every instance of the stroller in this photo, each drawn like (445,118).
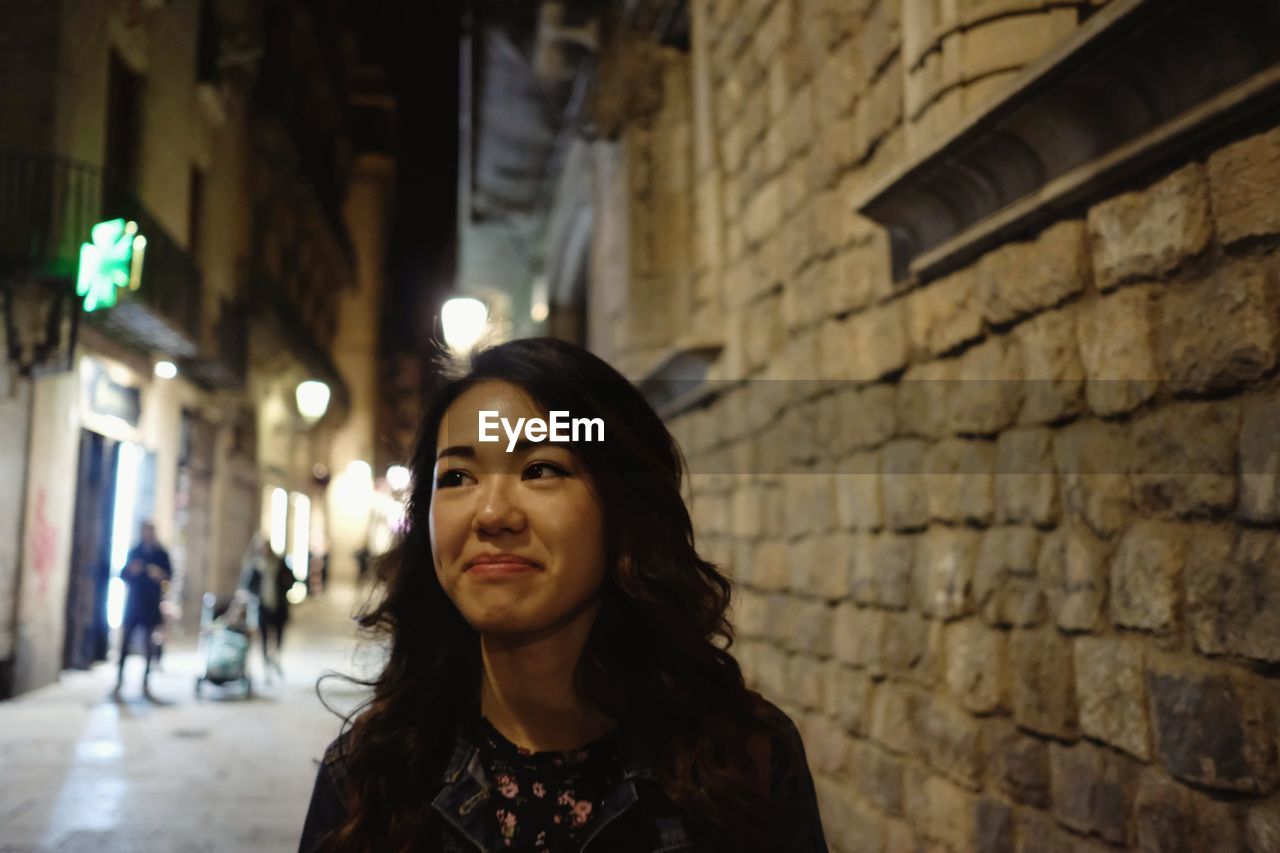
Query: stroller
(227,627)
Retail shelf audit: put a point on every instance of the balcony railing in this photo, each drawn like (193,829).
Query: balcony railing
(49,204)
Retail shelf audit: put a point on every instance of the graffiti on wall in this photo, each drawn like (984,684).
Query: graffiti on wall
(44,545)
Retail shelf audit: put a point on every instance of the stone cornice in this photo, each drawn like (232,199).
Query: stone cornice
(1142,83)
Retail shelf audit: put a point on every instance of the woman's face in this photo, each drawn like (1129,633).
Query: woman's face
(518,538)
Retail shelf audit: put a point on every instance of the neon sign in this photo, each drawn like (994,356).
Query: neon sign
(112,260)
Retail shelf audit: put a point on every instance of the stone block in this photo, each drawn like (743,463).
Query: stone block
(1146,576)
(801,566)
(770,570)
(1245,181)
(1260,459)
(772,666)
(976,662)
(833,559)
(830,209)
(924,398)
(1038,833)
(1170,816)
(952,741)
(1053,377)
(1044,696)
(852,280)
(1213,731)
(1018,763)
(750,613)
(813,627)
(895,711)
(1184,459)
(1113,701)
(880,341)
(1093,460)
(1149,232)
(1004,42)
(944,571)
(856,635)
(988,392)
(1093,790)
(801,309)
(877,116)
(1116,334)
(763,212)
(902,484)
(1006,583)
(960,481)
(748,510)
(798,124)
(1026,483)
(868,416)
(877,777)
(945,313)
(1220,332)
(910,647)
(889,559)
(1262,828)
(826,744)
(1233,593)
(857,493)
(1019,279)
(1073,570)
(848,823)
(849,698)
(806,685)
(940,810)
(836,85)
(995,830)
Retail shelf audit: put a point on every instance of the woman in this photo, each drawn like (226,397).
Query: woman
(557,676)
(265,575)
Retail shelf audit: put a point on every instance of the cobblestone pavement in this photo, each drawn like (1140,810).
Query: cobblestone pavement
(84,773)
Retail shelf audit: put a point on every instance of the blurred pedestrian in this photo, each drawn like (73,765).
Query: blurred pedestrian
(146,574)
(265,574)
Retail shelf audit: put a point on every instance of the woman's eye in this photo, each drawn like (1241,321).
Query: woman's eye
(542,470)
(448,479)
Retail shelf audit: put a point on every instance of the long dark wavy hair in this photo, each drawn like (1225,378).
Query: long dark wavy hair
(657,652)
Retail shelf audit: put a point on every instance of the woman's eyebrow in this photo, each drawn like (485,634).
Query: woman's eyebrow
(523,445)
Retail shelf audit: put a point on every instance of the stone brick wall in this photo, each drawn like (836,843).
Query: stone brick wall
(1005,542)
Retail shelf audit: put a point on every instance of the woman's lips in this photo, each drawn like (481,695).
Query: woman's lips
(500,566)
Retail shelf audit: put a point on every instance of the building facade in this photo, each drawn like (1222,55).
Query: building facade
(183,120)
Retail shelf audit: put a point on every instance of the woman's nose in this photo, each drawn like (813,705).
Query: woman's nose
(499,507)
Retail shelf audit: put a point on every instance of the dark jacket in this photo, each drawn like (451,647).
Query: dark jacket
(142,605)
(636,818)
(251,580)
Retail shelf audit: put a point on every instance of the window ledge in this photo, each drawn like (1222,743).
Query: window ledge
(1140,85)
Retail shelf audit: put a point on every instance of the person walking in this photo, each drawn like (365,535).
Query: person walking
(264,574)
(146,573)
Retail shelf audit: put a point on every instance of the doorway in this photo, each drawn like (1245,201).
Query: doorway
(115,494)
(86,624)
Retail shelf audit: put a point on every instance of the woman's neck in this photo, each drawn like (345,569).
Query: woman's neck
(529,691)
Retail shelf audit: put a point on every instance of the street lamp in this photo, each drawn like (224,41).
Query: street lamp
(465,320)
(40,322)
(398,478)
(312,397)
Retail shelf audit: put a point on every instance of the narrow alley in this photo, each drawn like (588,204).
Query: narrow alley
(222,773)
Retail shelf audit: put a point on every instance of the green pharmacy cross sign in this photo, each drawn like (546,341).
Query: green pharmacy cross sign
(112,260)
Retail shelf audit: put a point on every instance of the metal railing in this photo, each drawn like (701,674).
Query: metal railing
(49,204)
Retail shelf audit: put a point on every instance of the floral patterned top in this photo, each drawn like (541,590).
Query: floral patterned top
(546,800)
